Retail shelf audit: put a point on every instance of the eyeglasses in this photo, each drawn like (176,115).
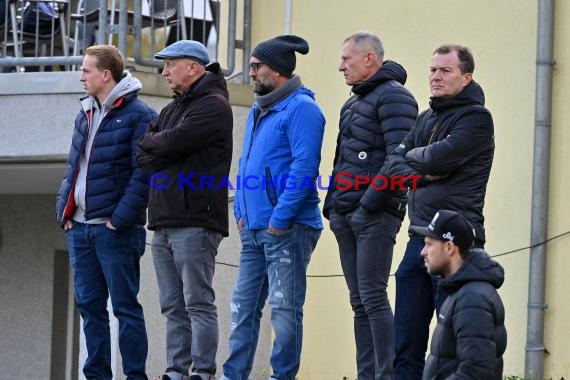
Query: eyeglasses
(254,66)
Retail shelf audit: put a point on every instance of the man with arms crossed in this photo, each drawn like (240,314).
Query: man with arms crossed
(451,147)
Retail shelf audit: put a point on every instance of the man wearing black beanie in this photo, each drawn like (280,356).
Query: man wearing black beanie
(279,53)
(276,209)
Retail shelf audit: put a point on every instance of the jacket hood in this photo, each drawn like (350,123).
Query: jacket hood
(390,70)
(477,267)
(212,81)
(126,86)
(471,94)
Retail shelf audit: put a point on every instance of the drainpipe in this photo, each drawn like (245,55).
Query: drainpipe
(288,16)
(247,19)
(534,357)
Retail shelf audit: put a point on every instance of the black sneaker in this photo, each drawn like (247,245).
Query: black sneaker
(201,376)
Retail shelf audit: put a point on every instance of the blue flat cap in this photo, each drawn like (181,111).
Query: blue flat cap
(185,49)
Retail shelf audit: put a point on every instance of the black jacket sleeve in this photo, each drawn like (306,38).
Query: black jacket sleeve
(470,134)
(397,121)
(395,165)
(196,131)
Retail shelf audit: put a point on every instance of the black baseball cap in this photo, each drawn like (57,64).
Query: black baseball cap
(449,225)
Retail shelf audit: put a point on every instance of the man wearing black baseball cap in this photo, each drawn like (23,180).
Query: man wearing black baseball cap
(470,337)
(446,226)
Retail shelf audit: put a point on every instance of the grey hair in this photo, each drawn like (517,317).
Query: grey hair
(368,40)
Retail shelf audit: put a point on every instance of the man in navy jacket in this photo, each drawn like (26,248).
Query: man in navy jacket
(101,206)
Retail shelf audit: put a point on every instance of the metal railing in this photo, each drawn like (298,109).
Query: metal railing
(52,34)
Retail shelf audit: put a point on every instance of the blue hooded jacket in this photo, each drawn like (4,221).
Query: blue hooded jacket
(279,165)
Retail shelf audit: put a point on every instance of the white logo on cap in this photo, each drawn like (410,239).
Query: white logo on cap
(448,236)
(432,223)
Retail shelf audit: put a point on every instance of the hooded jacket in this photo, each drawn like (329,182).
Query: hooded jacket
(102,181)
(279,164)
(188,151)
(470,337)
(373,122)
(453,138)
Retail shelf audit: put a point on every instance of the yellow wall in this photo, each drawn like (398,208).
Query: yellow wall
(502,36)
(557,323)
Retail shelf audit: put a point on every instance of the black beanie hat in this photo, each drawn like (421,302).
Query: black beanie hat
(279,53)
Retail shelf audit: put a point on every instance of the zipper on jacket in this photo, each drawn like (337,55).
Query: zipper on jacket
(89,125)
(257,115)
(88,159)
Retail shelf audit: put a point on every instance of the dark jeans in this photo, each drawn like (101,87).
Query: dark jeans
(416,300)
(366,244)
(106,263)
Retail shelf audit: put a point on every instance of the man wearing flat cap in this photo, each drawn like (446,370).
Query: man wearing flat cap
(191,140)
(277,213)
(470,337)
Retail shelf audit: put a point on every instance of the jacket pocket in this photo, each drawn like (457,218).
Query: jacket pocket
(270,187)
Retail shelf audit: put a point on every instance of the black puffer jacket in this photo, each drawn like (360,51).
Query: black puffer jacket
(453,138)
(191,146)
(470,337)
(372,123)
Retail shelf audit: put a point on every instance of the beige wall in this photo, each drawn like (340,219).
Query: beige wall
(557,323)
(502,36)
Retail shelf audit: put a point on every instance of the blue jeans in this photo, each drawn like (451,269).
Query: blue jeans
(106,263)
(366,244)
(275,266)
(416,300)
(184,261)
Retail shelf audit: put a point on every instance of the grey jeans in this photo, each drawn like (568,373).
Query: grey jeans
(366,244)
(184,261)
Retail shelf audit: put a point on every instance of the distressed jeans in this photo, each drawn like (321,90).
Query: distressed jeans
(184,261)
(106,263)
(274,267)
(366,244)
